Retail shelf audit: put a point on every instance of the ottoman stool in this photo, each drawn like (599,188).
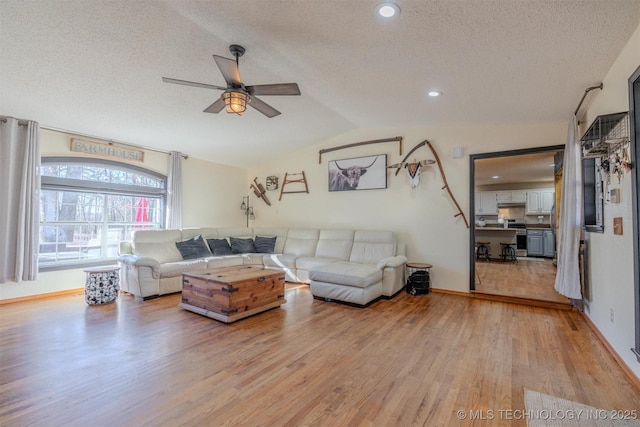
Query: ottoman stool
(102,285)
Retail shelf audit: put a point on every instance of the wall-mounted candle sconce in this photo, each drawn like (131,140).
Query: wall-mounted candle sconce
(248,210)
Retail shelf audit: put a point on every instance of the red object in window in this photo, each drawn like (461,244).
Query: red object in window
(142,210)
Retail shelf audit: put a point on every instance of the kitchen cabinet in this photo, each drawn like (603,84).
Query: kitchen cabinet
(511,196)
(486,203)
(540,201)
(549,244)
(503,196)
(519,196)
(535,243)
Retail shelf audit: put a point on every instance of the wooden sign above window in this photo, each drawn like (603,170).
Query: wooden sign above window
(106,150)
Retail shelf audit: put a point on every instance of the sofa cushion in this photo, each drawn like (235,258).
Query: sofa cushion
(252,259)
(347,273)
(279,260)
(242,246)
(265,245)
(235,232)
(279,233)
(370,247)
(224,261)
(157,244)
(193,248)
(219,247)
(173,269)
(301,242)
(310,263)
(205,232)
(335,244)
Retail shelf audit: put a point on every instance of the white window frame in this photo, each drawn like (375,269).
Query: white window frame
(99,188)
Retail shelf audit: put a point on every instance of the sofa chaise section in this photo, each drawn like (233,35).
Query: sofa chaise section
(373,270)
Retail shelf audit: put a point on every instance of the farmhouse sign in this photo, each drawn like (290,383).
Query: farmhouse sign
(106,150)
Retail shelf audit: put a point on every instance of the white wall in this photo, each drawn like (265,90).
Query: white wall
(212,194)
(211,197)
(611,256)
(422,217)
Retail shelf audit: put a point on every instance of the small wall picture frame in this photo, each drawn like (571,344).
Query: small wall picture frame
(360,173)
(271,183)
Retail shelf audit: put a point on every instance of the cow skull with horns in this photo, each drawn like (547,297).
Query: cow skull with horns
(413,170)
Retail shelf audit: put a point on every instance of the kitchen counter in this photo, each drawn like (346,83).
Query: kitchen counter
(494,236)
(539,227)
(489,228)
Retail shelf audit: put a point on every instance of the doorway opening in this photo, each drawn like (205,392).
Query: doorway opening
(514,199)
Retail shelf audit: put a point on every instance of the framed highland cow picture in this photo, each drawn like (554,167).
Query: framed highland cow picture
(360,173)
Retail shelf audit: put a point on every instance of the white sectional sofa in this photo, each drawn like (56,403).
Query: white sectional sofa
(352,266)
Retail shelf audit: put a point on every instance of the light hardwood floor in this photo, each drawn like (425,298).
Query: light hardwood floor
(406,361)
(524,279)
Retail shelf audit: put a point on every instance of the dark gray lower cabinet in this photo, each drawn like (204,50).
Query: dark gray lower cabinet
(535,243)
(549,243)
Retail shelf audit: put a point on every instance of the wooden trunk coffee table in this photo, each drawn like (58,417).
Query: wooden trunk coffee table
(228,294)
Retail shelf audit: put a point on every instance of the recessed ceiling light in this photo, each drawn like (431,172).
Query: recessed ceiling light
(434,93)
(388,10)
(495,177)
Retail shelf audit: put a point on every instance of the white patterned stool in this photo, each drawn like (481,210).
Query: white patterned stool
(102,285)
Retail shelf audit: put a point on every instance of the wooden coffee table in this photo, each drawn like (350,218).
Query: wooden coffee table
(228,294)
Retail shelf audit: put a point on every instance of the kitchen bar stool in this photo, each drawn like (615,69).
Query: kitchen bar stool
(482,250)
(508,252)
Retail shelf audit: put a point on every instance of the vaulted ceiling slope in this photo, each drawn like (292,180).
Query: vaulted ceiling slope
(95,67)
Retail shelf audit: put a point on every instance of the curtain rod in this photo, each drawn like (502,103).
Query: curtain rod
(586,91)
(21,122)
(110,141)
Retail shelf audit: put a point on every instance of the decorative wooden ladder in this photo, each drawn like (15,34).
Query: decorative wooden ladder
(286,181)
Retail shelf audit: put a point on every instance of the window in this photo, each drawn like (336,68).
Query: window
(87,206)
(592,194)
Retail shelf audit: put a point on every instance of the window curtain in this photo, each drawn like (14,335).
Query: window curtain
(174,191)
(570,225)
(19,199)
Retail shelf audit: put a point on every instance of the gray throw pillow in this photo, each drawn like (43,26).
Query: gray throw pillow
(265,245)
(219,247)
(193,248)
(242,246)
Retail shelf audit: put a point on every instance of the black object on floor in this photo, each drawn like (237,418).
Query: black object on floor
(418,283)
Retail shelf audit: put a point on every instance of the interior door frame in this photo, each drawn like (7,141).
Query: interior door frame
(634,148)
(472,203)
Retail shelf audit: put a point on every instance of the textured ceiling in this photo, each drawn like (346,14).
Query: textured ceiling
(521,168)
(95,67)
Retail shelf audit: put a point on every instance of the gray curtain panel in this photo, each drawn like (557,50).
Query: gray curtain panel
(570,225)
(174,191)
(19,199)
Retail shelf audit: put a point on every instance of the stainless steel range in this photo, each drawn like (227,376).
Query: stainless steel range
(521,235)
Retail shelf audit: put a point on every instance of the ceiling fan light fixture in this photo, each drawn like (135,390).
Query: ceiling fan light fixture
(388,10)
(235,101)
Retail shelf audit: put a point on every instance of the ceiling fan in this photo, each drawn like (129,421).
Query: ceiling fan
(236,95)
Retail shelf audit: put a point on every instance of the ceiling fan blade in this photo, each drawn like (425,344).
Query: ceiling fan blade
(229,70)
(216,107)
(187,83)
(263,107)
(275,89)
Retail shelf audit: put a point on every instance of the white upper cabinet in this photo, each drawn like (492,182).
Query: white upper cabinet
(540,201)
(486,203)
(519,196)
(511,196)
(503,196)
